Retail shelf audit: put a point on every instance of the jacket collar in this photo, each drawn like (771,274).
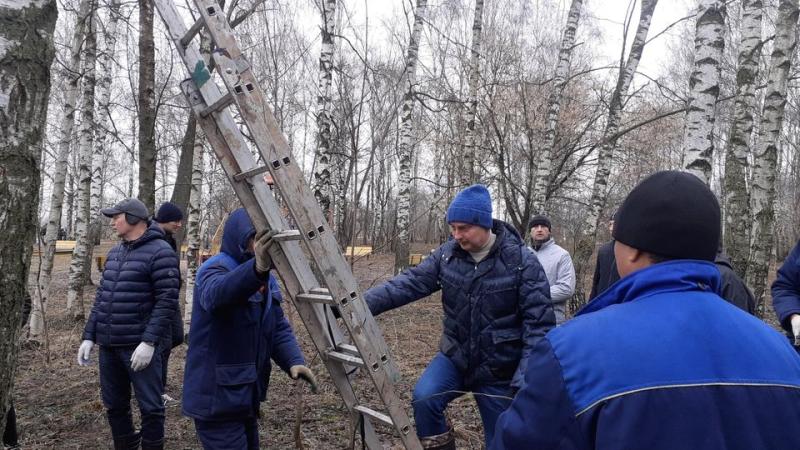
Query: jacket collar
(681,275)
(153,231)
(506,236)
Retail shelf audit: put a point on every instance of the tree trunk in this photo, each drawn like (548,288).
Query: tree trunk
(183,180)
(709,44)
(468,174)
(26,54)
(405,151)
(737,200)
(193,227)
(762,194)
(72,73)
(147,107)
(78,266)
(322,187)
(585,246)
(553,107)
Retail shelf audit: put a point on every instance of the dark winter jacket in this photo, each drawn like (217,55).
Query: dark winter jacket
(605,271)
(237,326)
(176,327)
(138,293)
(733,288)
(659,361)
(786,289)
(494,312)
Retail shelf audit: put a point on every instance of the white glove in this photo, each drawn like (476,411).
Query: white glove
(84,351)
(142,356)
(795,320)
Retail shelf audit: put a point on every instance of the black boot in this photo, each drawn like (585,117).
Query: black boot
(129,442)
(153,445)
(444,441)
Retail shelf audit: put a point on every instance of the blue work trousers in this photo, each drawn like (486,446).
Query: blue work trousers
(229,435)
(442,383)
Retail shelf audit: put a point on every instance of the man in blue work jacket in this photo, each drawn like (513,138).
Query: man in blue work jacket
(660,360)
(237,326)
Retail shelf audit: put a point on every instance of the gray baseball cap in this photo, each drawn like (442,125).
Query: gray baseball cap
(131,206)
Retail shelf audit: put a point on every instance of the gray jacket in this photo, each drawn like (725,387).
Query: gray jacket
(560,273)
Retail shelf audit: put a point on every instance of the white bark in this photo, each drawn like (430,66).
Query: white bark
(405,150)
(762,194)
(709,43)
(543,169)
(468,174)
(323,188)
(78,264)
(193,226)
(72,73)
(737,208)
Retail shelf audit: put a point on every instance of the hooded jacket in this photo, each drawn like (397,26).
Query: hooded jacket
(237,326)
(494,311)
(786,289)
(652,364)
(138,293)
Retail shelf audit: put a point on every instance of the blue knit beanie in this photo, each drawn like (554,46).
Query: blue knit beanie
(472,205)
(168,212)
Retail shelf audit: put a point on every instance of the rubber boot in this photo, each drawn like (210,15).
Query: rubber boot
(129,442)
(444,441)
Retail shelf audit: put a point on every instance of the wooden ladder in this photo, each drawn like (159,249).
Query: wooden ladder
(365,348)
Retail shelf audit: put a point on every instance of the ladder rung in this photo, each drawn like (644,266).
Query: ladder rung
(320,290)
(218,105)
(345,358)
(288,235)
(374,414)
(316,298)
(250,173)
(348,349)
(192,32)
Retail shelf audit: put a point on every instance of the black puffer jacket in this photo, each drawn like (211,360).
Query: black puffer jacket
(494,311)
(138,293)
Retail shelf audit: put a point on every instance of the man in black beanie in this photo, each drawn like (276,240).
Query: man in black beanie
(659,360)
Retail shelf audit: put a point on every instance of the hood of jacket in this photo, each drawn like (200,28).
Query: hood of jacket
(236,234)
(678,275)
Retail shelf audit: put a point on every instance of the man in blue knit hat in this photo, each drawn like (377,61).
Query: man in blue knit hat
(496,303)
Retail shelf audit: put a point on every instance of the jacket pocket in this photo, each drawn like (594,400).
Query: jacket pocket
(506,354)
(235,390)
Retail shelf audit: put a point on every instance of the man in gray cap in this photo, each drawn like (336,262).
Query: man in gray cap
(134,304)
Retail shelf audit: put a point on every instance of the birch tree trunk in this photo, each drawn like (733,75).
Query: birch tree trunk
(709,44)
(78,264)
(147,107)
(193,226)
(737,199)
(762,194)
(542,182)
(405,150)
(72,73)
(585,247)
(26,53)
(468,174)
(322,170)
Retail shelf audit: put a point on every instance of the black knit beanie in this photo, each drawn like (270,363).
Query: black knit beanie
(672,214)
(539,220)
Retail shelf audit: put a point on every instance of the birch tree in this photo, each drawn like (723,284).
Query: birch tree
(709,43)
(737,208)
(193,226)
(404,148)
(147,106)
(585,246)
(78,263)
(543,168)
(72,73)
(468,174)
(762,193)
(322,170)
(26,53)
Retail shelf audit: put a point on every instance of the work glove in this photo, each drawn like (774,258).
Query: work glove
(306,374)
(795,321)
(142,356)
(84,351)
(263,242)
